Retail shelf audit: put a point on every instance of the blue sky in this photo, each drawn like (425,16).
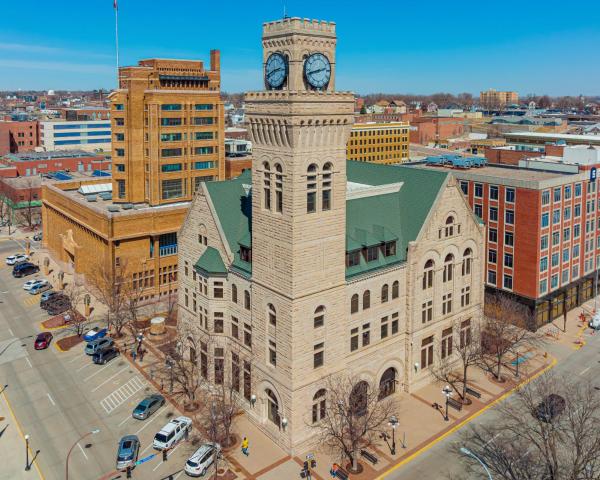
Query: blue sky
(532,46)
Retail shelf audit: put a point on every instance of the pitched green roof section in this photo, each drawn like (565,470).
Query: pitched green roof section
(211,263)
(233,205)
(393,216)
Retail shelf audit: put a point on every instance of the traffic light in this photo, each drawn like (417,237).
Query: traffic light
(164,454)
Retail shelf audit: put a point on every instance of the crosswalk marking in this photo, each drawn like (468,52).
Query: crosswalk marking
(122,394)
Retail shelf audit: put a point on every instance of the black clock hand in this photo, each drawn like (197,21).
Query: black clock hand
(274,71)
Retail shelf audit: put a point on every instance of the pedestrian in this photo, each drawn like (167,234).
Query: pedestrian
(133,354)
(142,353)
(245,446)
(334,469)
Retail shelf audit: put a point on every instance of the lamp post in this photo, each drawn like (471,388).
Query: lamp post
(466,451)
(93,432)
(447,393)
(394,424)
(27,466)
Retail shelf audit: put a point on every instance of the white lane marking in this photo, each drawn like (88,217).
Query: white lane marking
(85,366)
(585,370)
(148,422)
(110,378)
(82,451)
(74,360)
(11,332)
(97,372)
(28,362)
(50,398)
(126,418)
(121,394)
(169,453)
(178,475)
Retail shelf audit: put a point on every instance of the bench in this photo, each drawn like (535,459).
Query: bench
(455,404)
(473,393)
(369,456)
(341,474)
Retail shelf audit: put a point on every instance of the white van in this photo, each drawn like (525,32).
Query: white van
(172,433)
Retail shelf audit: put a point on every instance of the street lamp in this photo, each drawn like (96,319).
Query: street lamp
(394,424)
(27,466)
(447,391)
(92,432)
(466,451)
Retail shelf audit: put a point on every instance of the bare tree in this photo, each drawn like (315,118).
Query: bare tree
(505,330)
(356,416)
(112,286)
(30,212)
(460,352)
(76,322)
(533,438)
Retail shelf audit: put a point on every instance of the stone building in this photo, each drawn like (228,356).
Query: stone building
(309,265)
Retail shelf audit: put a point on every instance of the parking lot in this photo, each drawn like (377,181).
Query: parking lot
(60,396)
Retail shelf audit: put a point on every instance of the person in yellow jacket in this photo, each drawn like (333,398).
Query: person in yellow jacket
(245,446)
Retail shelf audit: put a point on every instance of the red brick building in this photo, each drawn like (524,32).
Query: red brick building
(19,137)
(34,163)
(510,155)
(543,236)
(425,130)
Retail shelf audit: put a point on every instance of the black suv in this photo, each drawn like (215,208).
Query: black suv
(103,356)
(24,269)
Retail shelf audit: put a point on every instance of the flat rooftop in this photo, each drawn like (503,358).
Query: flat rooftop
(52,155)
(554,136)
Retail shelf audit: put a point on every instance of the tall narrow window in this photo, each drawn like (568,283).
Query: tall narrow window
(278,188)
(311,189)
(354,303)
(246,299)
(319,319)
(319,406)
(428,275)
(395,289)
(384,293)
(234,293)
(467,260)
(326,187)
(267,185)
(366,299)
(272,315)
(448,267)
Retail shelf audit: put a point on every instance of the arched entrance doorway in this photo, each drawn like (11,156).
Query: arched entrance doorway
(387,384)
(272,407)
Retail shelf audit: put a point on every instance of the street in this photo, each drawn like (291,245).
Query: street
(57,397)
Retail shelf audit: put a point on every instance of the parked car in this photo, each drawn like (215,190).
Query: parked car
(58,307)
(552,406)
(104,356)
(38,237)
(201,459)
(148,406)
(128,451)
(40,287)
(50,297)
(95,333)
(42,340)
(16,258)
(46,295)
(98,345)
(172,433)
(31,283)
(24,269)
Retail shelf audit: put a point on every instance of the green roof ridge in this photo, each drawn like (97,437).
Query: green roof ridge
(210,262)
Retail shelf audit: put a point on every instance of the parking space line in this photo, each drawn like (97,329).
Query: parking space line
(98,371)
(584,370)
(74,360)
(11,332)
(82,451)
(28,362)
(85,366)
(154,417)
(50,398)
(126,418)
(110,378)
(119,396)
(169,453)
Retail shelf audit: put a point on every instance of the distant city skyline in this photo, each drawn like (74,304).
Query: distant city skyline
(529,47)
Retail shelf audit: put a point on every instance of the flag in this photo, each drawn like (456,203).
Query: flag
(115,6)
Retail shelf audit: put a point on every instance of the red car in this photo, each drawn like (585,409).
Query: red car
(42,341)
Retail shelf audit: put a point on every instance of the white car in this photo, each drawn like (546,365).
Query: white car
(172,433)
(29,284)
(201,459)
(17,258)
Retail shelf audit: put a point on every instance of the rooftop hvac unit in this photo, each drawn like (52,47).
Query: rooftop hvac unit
(113,208)
(127,206)
(90,198)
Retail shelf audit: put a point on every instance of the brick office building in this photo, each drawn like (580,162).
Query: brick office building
(543,237)
(425,130)
(35,163)
(19,137)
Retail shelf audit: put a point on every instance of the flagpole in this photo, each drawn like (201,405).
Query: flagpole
(116,7)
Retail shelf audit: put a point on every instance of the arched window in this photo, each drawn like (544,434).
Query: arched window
(311,189)
(192,349)
(387,384)
(384,293)
(449,226)
(319,316)
(272,314)
(267,185)
(448,268)
(395,289)
(359,399)
(234,296)
(366,299)
(428,274)
(319,406)
(278,188)
(272,407)
(466,262)
(354,303)
(326,187)
(246,299)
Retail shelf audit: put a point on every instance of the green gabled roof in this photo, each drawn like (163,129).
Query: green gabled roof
(370,220)
(210,262)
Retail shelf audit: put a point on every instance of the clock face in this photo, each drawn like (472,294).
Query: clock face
(317,70)
(275,70)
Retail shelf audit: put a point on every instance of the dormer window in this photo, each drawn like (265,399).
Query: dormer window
(245,254)
(372,253)
(389,249)
(352,258)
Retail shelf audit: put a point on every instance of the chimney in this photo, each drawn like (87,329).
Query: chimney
(215,60)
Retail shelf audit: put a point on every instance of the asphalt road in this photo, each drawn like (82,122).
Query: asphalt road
(443,460)
(59,396)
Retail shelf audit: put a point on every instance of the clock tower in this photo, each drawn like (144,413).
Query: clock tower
(299,126)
